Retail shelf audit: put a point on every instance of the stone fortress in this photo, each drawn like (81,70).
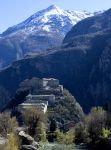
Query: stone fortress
(48,90)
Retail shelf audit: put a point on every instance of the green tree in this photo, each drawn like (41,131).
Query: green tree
(53,125)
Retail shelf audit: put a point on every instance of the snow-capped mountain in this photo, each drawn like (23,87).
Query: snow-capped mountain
(43,30)
(51,19)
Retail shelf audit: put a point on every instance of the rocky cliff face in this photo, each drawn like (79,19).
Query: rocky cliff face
(82,65)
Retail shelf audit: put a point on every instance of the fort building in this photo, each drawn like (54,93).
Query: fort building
(49,90)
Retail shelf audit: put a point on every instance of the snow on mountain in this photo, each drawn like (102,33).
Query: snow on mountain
(44,30)
(51,19)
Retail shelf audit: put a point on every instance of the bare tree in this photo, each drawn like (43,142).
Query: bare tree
(34,119)
(7,124)
(95,122)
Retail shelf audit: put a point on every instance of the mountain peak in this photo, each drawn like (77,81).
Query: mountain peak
(53,7)
(50,19)
(42,30)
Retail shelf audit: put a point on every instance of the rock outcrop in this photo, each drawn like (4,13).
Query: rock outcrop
(27,142)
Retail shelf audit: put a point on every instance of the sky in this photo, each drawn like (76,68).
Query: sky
(16,11)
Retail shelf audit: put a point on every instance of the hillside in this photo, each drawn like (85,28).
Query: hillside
(90,25)
(82,65)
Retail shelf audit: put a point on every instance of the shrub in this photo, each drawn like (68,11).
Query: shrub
(81,134)
(95,122)
(12,143)
(64,138)
(105,133)
(7,124)
(41,133)
(69,137)
(59,136)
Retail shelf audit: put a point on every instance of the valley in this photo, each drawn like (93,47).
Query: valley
(55,81)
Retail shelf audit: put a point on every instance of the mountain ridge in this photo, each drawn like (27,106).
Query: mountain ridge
(82,65)
(44,16)
(94,24)
(43,30)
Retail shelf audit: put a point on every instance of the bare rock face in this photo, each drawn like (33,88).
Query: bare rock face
(2,141)
(28,143)
(26,136)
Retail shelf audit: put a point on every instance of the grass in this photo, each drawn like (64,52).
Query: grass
(57,147)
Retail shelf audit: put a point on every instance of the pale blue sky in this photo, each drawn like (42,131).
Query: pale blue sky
(15,11)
